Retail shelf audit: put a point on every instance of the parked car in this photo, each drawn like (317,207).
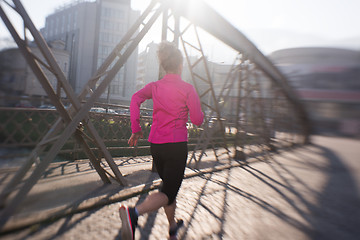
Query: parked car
(111,111)
(47,106)
(98,110)
(214,121)
(146,112)
(123,111)
(24,105)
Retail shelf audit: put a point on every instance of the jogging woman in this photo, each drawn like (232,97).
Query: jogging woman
(173,100)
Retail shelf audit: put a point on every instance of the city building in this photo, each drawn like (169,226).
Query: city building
(13,68)
(17,78)
(328,82)
(148,66)
(91,30)
(32,85)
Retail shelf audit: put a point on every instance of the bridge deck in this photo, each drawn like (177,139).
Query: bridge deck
(307,192)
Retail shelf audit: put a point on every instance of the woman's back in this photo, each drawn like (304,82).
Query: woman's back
(173,98)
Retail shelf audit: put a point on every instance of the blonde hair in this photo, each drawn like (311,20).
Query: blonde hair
(170,57)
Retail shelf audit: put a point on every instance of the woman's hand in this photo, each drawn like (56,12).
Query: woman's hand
(134,138)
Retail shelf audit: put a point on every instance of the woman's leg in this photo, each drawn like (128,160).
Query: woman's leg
(170,161)
(159,199)
(170,214)
(152,203)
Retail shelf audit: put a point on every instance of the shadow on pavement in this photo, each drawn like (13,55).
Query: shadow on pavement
(71,221)
(338,214)
(332,212)
(335,215)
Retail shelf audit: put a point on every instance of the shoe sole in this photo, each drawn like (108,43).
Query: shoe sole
(126,231)
(179,224)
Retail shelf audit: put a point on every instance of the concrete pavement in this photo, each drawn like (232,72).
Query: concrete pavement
(311,192)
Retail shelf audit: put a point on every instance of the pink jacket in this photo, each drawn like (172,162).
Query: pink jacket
(173,99)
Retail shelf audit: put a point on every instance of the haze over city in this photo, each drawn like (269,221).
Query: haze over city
(270,25)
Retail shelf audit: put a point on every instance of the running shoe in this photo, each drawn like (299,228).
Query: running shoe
(173,232)
(129,222)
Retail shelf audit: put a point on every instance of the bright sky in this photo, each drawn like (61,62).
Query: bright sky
(270,24)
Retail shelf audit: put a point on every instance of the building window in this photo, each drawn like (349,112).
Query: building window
(108,25)
(105,37)
(74,20)
(63,24)
(68,22)
(106,12)
(119,14)
(115,89)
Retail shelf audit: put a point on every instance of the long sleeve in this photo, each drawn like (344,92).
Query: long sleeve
(136,100)
(194,105)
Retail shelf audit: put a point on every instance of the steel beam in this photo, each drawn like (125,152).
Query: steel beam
(80,114)
(62,81)
(219,27)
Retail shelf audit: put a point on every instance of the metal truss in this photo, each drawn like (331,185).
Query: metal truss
(218,27)
(244,75)
(242,83)
(73,120)
(206,136)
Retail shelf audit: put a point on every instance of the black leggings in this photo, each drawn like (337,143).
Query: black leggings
(170,161)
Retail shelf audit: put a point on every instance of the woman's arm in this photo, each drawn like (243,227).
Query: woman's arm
(136,100)
(194,105)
